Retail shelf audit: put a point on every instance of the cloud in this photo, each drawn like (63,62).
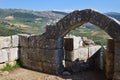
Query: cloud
(64,10)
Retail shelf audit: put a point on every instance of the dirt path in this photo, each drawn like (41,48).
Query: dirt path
(25,74)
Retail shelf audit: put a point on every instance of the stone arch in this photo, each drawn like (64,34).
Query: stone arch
(78,18)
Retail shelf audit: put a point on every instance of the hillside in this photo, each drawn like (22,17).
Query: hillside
(31,22)
(115,15)
(14,21)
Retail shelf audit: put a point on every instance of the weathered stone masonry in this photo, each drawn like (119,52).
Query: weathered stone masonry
(45,52)
(41,54)
(9,49)
(78,18)
(48,42)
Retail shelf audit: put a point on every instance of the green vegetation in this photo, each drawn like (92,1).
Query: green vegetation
(92,32)
(99,41)
(10,67)
(25,21)
(6,30)
(34,22)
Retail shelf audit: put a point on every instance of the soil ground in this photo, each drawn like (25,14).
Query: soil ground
(26,74)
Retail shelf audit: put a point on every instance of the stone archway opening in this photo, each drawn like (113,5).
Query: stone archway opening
(78,18)
(49,45)
(92,32)
(85,50)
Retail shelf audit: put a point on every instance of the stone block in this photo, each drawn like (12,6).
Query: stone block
(72,43)
(77,42)
(23,55)
(93,49)
(37,65)
(80,54)
(68,44)
(117,47)
(49,55)
(116,76)
(3,56)
(35,54)
(113,29)
(68,65)
(83,54)
(49,68)
(13,54)
(99,19)
(117,62)
(43,55)
(117,56)
(109,59)
(5,42)
(27,63)
(15,40)
(39,41)
(23,40)
(109,71)
(51,44)
(33,41)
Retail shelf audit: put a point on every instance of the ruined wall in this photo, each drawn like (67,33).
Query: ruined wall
(78,54)
(78,18)
(34,51)
(45,52)
(41,54)
(8,49)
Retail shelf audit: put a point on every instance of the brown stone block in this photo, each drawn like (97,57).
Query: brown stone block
(49,68)
(117,56)
(23,40)
(49,55)
(44,43)
(23,54)
(68,44)
(109,71)
(100,20)
(117,62)
(110,45)
(116,76)
(33,40)
(26,63)
(37,65)
(117,47)
(69,55)
(84,15)
(43,55)
(35,54)
(114,30)
(109,59)
(68,65)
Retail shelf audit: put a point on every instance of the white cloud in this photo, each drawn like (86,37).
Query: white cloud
(64,10)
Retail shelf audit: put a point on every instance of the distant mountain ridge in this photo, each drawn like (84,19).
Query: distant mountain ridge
(28,21)
(34,22)
(115,15)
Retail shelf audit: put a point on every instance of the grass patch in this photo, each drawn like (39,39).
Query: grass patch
(10,67)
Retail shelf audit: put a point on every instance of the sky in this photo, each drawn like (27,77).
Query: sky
(62,5)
